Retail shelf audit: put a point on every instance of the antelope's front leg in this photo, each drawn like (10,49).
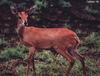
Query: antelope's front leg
(31,61)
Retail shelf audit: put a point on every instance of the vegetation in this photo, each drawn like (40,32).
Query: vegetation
(50,13)
(47,63)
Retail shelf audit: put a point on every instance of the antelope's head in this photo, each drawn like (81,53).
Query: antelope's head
(21,15)
(22,18)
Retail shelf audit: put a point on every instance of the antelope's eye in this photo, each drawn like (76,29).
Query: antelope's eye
(19,17)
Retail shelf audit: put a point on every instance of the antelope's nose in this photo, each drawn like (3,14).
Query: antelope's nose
(26,23)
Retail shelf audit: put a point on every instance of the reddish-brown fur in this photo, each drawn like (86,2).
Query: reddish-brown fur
(49,37)
(64,41)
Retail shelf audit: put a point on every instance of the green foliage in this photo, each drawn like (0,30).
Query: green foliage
(91,45)
(3,41)
(40,3)
(50,64)
(64,3)
(9,53)
(93,69)
(13,53)
(46,56)
(92,42)
(92,39)
(20,70)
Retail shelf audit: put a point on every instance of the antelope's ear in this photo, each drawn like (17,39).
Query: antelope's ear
(31,9)
(13,9)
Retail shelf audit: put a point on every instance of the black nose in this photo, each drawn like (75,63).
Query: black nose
(26,23)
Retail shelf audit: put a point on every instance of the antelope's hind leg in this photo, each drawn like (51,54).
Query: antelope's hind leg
(68,57)
(80,58)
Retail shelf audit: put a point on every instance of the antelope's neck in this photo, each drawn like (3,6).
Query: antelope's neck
(20,28)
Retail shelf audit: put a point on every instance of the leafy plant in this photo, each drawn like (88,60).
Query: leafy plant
(13,53)
(3,43)
(91,42)
(40,3)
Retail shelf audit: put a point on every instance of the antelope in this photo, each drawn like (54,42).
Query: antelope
(63,40)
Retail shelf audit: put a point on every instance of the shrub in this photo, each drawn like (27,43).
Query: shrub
(13,53)
(91,42)
(3,43)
